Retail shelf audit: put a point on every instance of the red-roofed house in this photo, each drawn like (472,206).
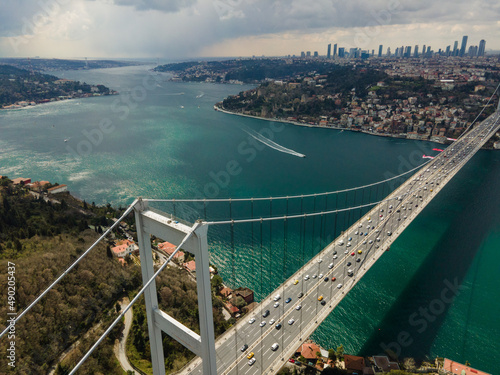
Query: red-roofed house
(169,248)
(232,309)
(21,181)
(383,363)
(458,369)
(38,185)
(354,363)
(190,266)
(308,351)
(226,292)
(124,247)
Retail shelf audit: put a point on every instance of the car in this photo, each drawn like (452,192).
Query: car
(298,307)
(288,300)
(334,278)
(250,355)
(291,321)
(335,256)
(389,233)
(251,362)
(320,260)
(330,265)
(360,251)
(348,264)
(315,276)
(335,252)
(277,297)
(263,323)
(320,275)
(276,304)
(364,242)
(300,295)
(323,303)
(339,286)
(352,253)
(350,239)
(348,244)
(350,272)
(244,347)
(358,260)
(320,298)
(378,239)
(326,278)
(266,313)
(291,360)
(356,233)
(306,277)
(340,243)
(346,252)
(278,326)
(275,347)
(251,321)
(295,282)
(271,322)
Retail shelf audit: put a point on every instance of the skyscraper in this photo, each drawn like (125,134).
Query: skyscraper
(380,50)
(482,47)
(447,53)
(308,53)
(455,48)
(388,54)
(329,52)
(341,52)
(316,54)
(423,51)
(335,50)
(464,45)
(415,54)
(302,54)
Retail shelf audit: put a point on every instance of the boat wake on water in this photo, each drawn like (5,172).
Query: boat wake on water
(259,137)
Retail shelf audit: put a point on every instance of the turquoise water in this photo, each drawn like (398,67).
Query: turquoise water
(160,139)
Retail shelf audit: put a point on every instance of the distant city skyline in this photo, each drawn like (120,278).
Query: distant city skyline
(202,28)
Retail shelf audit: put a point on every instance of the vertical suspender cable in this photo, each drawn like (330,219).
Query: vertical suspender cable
(314,225)
(270,242)
(252,255)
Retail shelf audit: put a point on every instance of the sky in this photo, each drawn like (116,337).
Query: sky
(180,29)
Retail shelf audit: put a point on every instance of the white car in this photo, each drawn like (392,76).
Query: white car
(251,362)
(331,265)
(320,275)
(306,277)
(298,307)
(275,347)
(263,323)
(276,304)
(291,321)
(251,321)
(335,256)
(271,322)
(339,286)
(320,260)
(277,297)
(314,276)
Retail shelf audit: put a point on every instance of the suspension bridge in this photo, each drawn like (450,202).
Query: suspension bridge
(317,248)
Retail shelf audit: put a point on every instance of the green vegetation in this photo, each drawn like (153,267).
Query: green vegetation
(19,85)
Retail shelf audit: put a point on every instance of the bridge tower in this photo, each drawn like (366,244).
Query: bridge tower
(152,222)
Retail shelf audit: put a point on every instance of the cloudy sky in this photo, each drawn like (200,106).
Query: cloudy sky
(175,29)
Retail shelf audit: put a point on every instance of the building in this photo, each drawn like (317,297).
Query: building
(309,351)
(169,249)
(316,54)
(415,54)
(21,181)
(341,52)
(380,50)
(57,189)
(383,363)
(190,266)
(464,45)
(335,50)
(245,293)
(302,54)
(329,51)
(455,48)
(482,48)
(124,247)
(452,367)
(354,363)
(38,185)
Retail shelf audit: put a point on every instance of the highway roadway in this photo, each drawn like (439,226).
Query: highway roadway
(356,250)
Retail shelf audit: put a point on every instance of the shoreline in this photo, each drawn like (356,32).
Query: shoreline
(296,123)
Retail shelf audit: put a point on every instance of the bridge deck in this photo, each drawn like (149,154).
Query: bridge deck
(367,240)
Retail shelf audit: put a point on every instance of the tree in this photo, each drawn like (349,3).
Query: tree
(239,302)
(340,353)
(217,283)
(331,354)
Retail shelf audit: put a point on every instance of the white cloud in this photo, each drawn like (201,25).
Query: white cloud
(188,28)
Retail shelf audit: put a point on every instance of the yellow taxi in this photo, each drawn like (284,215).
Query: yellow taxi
(320,298)
(250,355)
(295,282)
